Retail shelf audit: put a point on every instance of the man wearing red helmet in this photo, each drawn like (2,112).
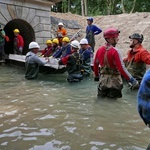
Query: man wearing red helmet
(137,57)
(111,66)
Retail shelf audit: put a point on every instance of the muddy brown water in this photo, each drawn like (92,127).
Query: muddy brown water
(51,114)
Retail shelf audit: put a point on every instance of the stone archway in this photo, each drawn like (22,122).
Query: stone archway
(26,32)
(27,16)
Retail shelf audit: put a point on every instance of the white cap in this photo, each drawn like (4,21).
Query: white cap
(75,44)
(83,41)
(33,45)
(60,24)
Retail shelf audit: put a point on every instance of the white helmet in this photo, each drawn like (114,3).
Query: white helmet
(84,41)
(33,45)
(60,24)
(75,44)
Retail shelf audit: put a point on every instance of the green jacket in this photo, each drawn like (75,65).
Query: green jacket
(1,37)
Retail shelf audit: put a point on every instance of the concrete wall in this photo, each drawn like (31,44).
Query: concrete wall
(36,13)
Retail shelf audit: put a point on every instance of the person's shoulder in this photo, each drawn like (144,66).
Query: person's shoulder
(88,50)
(68,46)
(146,76)
(101,47)
(115,50)
(95,26)
(27,53)
(74,54)
(142,48)
(20,36)
(30,53)
(63,29)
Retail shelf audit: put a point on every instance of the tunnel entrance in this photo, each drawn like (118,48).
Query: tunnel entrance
(26,31)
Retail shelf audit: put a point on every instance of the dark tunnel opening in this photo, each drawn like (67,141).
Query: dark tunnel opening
(26,31)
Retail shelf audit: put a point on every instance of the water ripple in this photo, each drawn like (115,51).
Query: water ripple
(42,132)
(46,117)
(53,145)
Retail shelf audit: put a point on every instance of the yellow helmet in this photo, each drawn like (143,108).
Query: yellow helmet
(66,39)
(55,41)
(16,31)
(48,42)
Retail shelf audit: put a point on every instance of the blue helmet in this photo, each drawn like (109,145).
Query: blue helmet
(90,19)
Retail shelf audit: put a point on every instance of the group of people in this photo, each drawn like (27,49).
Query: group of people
(18,43)
(74,54)
(109,67)
(112,67)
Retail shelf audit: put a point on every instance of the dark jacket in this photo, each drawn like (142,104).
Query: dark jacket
(73,62)
(32,63)
(86,55)
(63,52)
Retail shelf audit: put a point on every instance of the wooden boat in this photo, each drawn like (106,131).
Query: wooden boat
(52,67)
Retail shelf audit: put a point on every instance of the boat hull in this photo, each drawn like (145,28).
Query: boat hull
(19,61)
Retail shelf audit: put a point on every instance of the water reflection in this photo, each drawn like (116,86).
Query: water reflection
(51,114)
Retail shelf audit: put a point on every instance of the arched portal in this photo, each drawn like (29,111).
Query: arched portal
(26,31)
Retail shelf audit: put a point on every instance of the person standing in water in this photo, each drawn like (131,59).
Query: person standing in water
(32,61)
(109,59)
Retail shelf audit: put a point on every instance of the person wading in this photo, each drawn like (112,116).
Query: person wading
(86,52)
(137,57)
(111,67)
(73,62)
(32,61)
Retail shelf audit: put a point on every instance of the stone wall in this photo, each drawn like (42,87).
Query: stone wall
(35,13)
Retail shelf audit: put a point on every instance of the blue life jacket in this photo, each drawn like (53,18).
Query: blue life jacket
(144,98)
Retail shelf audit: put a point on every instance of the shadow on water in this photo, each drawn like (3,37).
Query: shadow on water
(51,114)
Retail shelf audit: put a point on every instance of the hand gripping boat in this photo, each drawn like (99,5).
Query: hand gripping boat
(52,67)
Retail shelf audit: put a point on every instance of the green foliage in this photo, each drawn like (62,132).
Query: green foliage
(142,6)
(103,7)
